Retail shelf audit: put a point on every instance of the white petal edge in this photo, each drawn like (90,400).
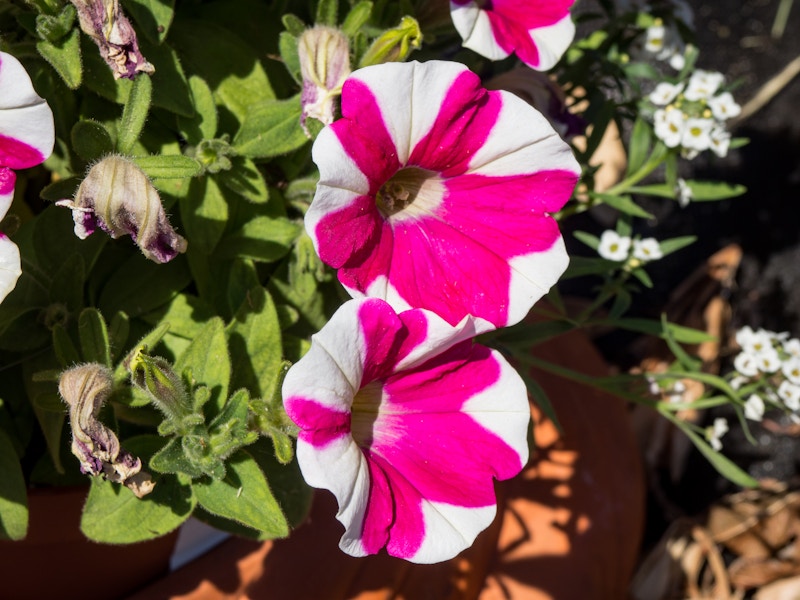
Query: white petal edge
(522,141)
(340,467)
(32,125)
(16,84)
(532,276)
(475,29)
(336,168)
(10,266)
(552,41)
(450,529)
(409,95)
(503,409)
(320,377)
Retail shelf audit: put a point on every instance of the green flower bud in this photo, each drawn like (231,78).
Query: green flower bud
(394,45)
(155,376)
(324,54)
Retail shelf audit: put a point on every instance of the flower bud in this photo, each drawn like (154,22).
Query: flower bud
(324,54)
(85,388)
(119,198)
(155,376)
(394,45)
(107,25)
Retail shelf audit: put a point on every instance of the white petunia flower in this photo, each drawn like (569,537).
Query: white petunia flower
(614,246)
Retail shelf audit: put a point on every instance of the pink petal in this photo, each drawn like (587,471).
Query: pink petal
(27,133)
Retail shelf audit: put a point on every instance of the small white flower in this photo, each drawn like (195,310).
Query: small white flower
(655,38)
(791,369)
(696,134)
(768,362)
(792,347)
(614,246)
(745,363)
(669,126)
(754,408)
(739,381)
(720,141)
(677,60)
(715,432)
(684,193)
(665,93)
(755,342)
(703,85)
(647,249)
(723,106)
(790,394)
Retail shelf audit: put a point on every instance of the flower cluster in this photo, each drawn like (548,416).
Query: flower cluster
(665,44)
(768,365)
(691,116)
(27,136)
(438,223)
(616,247)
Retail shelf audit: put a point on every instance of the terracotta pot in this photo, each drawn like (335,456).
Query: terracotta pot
(56,560)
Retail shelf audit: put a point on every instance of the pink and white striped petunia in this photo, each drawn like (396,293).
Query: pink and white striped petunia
(408,423)
(538,31)
(435,193)
(27,135)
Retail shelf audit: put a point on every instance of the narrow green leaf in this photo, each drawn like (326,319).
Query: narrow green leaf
(641,137)
(135,113)
(243,496)
(587,238)
(624,204)
(681,334)
(245,179)
(356,18)
(118,331)
(65,58)
(703,191)
(65,350)
(113,515)
(541,399)
(90,140)
(168,166)
(13,493)
(207,357)
(287,47)
(686,361)
(262,239)
(271,128)
(291,491)
(93,336)
(674,244)
(327,13)
(642,276)
(254,337)
(203,126)
(293,24)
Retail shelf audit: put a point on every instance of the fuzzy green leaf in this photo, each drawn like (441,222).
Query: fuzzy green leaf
(207,357)
(65,57)
(168,166)
(91,141)
(135,113)
(13,493)
(271,128)
(203,126)
(153,17)
(93,334)
(245,179)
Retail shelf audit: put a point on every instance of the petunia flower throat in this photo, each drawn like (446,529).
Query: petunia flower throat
(436,193)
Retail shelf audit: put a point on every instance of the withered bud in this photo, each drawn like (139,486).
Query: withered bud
(324,54)
(117,197)
(85,388)
(107,25)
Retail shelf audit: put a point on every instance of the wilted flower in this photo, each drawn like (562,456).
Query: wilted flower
(117,197)
(407,422)
(324,54)
(539,32)
(107,25)
(613,246)
(445,209)
(27,136)
(85,388)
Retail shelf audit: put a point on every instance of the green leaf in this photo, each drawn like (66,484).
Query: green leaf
(204,212)
(271,128)
(681,334)
(171,459)
(703,191)
(67,284)
(356,18)
(149,341)
(262,238)
(186,315)
(291,491)
(65,58)
(93,334)
(90,140)
(13,493)
(642,276)
(140,285)
(293,24)
(65,350)
(674,244)
(541,399)
(287,47)
(245,179)
(243,496)
(587,238)
(624,204)
(134,114)
(118,331)
(641,137)
(168,166)
(113,515)
(207,357)
(63,188)
(170,88)
(254,338)
(327,13)
(234,88)
(153,17)
(686,361)
(581,265)
(203,126)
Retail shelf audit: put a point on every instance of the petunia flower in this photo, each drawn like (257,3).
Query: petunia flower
(539,31)
(27,135)
(407,422)
(435,193)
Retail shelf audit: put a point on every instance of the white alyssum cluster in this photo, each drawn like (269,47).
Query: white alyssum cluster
(616,247)
(771,360)
(664,43)
(691,115)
